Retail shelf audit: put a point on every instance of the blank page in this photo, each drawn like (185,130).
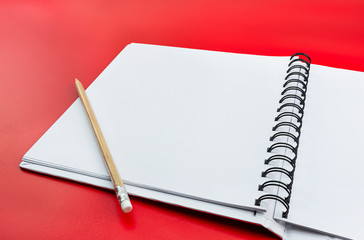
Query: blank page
(189,122)
(328,188)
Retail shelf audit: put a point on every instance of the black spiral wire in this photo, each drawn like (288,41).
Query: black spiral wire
(291,108)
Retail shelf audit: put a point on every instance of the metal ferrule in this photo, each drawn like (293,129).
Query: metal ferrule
(121,193)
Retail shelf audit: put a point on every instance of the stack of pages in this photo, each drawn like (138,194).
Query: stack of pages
(275,141)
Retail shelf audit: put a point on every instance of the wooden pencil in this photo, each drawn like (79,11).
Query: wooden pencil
(120,190)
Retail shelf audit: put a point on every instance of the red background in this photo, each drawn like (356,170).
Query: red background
(44,45)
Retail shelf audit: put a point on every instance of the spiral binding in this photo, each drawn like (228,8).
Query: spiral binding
(288,126)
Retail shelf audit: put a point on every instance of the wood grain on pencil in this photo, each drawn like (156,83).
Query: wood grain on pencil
(116,179)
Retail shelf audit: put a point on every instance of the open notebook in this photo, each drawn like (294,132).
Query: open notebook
(194,128)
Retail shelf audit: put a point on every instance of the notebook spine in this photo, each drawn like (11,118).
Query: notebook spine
(286,134)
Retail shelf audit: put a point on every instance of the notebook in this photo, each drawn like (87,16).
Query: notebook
(271,140)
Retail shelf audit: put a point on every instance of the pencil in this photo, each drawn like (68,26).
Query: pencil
(119,187)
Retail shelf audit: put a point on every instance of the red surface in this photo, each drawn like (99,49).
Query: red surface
(44,45)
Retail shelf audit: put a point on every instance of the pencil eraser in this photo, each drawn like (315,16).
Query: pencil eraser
(123,198)
(126,206)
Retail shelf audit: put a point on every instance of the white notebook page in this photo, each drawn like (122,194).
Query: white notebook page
(328,188)
(187,121)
